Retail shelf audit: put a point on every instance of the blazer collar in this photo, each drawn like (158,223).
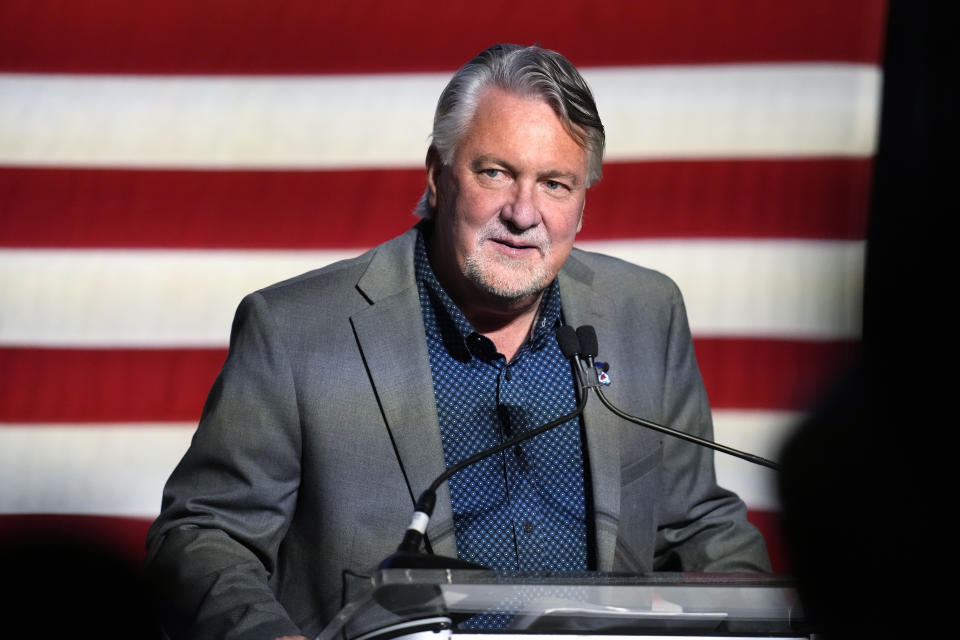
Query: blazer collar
(390,334)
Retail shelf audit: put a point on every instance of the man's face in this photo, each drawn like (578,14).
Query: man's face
(510,203)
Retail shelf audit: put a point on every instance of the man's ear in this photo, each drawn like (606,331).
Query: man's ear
(434,167)
(580,220)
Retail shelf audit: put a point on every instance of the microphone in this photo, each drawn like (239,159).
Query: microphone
(568,340)
(408,555)
(588,342)
(589,348)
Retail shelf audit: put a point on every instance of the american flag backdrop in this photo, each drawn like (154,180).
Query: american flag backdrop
(158,160)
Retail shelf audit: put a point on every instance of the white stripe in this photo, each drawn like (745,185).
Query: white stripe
(772,288)
(759,110)
(120,469)
(114,470)
(187,298)
(384,120)
(131,298)
(762,433)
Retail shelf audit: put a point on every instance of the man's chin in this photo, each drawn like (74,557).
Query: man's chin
(511,287)
(507,279)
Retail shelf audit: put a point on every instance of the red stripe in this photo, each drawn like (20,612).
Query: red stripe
(757,373)
(198,209)
(105,385)
(770,524)
(304,36)
(809,198)
(127,536)
(131,385)
(823,198)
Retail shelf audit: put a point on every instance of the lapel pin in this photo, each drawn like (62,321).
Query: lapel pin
(602,375)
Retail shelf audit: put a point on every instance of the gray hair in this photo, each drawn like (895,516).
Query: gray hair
(527,71)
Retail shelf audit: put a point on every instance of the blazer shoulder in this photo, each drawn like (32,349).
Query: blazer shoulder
(615,277)
(388,265)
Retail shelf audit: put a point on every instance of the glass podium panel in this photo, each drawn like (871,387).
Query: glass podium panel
(404,603)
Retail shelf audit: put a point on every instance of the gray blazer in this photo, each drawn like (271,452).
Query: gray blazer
(322,427)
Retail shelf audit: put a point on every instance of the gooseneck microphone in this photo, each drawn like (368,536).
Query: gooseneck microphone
(408,555)
(580,347)
(587,338)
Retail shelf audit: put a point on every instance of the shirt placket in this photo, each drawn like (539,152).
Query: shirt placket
(525,508)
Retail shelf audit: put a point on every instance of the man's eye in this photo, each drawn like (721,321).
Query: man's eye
(492,173)
(553,185)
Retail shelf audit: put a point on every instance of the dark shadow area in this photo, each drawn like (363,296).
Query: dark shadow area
(58,586)
(865,516)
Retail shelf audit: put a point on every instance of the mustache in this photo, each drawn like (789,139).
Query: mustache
(533,237)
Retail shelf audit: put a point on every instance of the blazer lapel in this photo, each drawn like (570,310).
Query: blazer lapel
(581,305)
(390,334)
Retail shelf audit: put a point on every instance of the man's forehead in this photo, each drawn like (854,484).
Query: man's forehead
(505,123)
(495,99)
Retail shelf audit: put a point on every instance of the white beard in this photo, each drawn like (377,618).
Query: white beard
(503,276)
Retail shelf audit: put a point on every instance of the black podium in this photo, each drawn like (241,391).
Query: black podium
(437,604)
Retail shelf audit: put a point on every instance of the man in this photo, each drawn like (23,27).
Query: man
(348,389)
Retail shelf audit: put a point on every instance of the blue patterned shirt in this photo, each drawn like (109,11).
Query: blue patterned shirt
(523,509)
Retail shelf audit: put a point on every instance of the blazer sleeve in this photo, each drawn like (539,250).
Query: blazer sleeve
(212,552)
(702,527)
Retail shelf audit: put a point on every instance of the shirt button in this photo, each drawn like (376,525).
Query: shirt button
(528,527)
(518,451)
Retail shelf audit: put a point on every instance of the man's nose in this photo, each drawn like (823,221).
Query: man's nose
(521,211)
